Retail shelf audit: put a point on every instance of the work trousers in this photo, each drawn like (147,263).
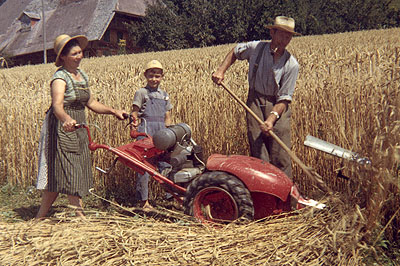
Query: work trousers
(264,146)
(142,181)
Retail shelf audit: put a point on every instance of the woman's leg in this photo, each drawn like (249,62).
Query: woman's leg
(48,199)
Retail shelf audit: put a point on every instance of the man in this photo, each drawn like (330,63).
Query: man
(272,78)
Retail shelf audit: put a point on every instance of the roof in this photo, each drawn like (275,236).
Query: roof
(31,15)
(72,17)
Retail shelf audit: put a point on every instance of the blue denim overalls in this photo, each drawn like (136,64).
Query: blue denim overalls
(152,120)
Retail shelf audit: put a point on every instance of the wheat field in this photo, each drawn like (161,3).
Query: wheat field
(348,93)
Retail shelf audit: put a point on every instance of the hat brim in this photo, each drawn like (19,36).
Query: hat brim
(83,42)
(283,29)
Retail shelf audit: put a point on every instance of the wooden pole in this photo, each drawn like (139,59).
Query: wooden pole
(44,35)
(308,170)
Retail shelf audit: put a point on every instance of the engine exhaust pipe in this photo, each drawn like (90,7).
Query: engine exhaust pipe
(335,150)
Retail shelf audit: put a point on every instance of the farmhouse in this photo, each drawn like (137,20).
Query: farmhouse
(25,26)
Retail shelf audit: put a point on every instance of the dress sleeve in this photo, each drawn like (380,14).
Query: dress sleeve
(59,74)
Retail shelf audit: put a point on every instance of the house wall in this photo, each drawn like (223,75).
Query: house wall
(33,58)
(110,43)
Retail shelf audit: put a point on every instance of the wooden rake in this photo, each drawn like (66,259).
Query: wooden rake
(308,170)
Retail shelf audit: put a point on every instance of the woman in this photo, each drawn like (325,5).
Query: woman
(64,160)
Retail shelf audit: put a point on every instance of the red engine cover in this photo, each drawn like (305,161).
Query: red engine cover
(256,174)
(143,150)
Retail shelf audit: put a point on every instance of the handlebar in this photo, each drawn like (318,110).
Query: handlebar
(133,133)
(131,119)
(126,116)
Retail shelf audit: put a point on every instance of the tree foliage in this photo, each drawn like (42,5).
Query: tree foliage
(159,30)
(177,24)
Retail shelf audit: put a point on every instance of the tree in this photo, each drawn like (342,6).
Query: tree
(159,30)
(177,24)
(198,30)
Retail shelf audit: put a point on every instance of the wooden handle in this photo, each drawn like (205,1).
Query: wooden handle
(306,169)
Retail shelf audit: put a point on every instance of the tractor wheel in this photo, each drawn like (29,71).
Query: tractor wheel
(218,197)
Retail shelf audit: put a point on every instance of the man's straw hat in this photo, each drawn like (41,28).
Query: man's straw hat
(62,40)
(284,23)
(153,64)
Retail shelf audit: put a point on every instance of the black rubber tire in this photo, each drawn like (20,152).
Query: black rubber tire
(228,183)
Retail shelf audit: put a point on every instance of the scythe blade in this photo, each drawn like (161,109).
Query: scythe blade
(335,150)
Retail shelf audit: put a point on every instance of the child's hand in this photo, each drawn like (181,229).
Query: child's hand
(135,123)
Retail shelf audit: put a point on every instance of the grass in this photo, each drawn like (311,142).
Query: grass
(21,204)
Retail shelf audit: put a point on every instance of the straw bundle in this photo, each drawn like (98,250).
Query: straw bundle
(328,237)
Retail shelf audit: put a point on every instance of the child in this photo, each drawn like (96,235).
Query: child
(152,111)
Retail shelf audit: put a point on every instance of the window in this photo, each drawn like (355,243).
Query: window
(28,19)
(25,23)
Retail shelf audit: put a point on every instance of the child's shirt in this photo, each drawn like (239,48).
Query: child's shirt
(142,97)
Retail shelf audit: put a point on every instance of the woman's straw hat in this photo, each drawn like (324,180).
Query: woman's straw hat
(62,40)
(284,23)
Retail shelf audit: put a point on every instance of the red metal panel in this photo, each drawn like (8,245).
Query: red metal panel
(256,174)
(266,205)
(142,149)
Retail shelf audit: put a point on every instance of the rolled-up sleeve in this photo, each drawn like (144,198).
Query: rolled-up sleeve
(287,81)
(138,98)
(244,51)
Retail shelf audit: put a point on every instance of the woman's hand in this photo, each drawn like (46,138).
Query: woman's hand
(69,125)
(121,114)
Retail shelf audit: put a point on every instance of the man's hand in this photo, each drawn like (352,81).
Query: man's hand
(218,77)
(267,126)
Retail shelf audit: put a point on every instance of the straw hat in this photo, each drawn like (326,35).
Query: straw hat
(62,40)
(153,64)
(284,23)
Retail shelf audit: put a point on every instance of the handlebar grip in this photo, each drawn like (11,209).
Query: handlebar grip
(125,115)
